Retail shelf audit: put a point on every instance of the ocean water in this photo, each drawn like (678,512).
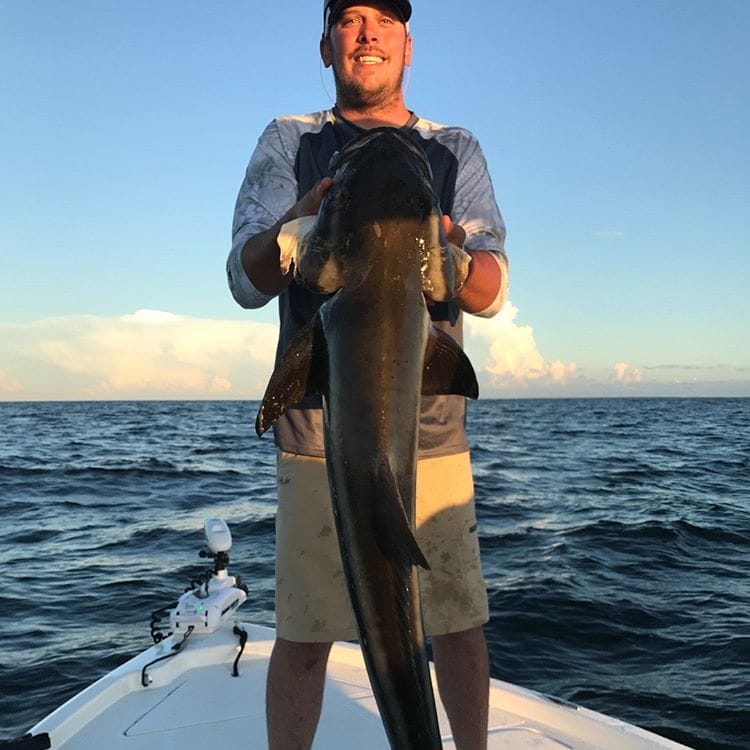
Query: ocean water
(615,538)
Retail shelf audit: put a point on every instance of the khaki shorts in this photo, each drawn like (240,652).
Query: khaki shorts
(312,601)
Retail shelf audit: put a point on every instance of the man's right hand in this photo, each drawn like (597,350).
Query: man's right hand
(260,256)
(309,203)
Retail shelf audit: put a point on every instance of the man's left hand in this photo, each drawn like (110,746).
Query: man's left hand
(454,233)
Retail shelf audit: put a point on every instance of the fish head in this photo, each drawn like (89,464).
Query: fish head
(381,211)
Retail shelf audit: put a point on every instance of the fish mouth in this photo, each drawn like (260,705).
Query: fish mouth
(348,153)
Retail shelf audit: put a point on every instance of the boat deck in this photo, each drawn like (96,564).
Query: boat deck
(193,702)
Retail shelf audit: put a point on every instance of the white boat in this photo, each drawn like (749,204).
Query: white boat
(203,686)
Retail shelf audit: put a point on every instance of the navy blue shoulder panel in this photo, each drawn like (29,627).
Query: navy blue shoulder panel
(316,150)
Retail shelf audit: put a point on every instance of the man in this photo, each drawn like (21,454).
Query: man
(367,42)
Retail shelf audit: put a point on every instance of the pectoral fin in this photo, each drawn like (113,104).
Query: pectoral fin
(301,372)
(393,534)
(447,369)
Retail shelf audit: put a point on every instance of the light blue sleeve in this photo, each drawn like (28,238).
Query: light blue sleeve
(268,190)
(474,204)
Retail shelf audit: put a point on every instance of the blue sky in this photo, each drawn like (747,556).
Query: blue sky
(615,133)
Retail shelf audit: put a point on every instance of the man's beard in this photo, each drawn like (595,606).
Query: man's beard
(352,95)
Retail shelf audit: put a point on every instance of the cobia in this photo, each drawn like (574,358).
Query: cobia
(371,352)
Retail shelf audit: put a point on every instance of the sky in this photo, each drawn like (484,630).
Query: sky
(616,134)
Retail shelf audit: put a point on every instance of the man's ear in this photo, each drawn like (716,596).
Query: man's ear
(325,51)
(407,51)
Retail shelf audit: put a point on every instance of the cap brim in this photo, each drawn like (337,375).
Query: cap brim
(402,7)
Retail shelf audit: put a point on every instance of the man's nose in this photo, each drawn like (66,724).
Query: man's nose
(367,33)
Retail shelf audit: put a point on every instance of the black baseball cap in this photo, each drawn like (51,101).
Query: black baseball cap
(331,9)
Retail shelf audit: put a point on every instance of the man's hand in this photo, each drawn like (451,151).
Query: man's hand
(454,233)
(481,275)
(297,222)
(261,254)
(447,265)
(456,236)
(309,203)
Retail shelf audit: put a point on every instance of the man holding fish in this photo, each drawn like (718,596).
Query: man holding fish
(368,45)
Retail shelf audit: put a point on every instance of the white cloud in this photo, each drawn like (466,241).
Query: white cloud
(148,354)
(511,356)
(151,317)
(152,354)
(626,374)
(157,354)
(9,384)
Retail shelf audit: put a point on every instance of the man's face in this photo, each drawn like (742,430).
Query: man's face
(368,47)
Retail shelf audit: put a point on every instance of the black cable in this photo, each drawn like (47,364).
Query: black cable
(242,634)
(175,650)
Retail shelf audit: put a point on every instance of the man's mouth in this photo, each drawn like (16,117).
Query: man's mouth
(368,58)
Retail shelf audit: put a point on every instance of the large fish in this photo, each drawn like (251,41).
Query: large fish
(371,352)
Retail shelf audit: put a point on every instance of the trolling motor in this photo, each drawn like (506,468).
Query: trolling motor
(205,608)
